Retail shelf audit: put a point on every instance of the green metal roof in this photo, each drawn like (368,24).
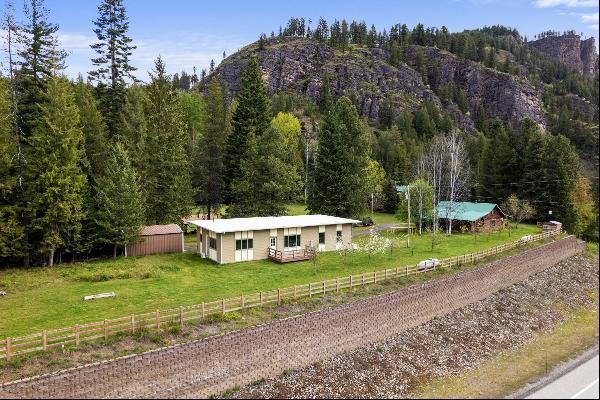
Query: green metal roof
(465,210)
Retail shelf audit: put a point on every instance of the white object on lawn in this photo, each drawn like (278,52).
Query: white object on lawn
(3,293)
(526,238)
(99,296)
(429,263)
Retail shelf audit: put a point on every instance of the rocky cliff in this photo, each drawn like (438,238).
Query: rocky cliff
(575,53)
(297,64)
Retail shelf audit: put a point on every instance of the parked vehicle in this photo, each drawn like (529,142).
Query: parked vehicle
(526,238)
(365,222)
(428,264)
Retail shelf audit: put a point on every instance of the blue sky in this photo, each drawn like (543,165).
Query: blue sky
(188,33)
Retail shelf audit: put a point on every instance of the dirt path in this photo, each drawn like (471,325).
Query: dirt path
(215,364)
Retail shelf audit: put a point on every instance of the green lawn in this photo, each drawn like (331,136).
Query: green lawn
(43,298)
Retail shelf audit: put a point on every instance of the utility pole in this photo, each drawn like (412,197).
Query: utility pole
(408,198)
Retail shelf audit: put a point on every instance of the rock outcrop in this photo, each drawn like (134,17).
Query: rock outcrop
(577,54)
(298,65)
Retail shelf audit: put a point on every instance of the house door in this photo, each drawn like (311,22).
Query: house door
(244,246)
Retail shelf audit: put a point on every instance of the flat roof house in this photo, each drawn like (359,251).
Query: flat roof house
(281,239)
(475,216)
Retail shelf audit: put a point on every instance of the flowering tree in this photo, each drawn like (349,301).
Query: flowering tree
(376,244)
(344,248)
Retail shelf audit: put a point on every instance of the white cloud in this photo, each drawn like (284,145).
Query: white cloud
(586,18)
(179,50)
(567,3)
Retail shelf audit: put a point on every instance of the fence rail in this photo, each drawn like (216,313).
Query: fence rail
(77,334)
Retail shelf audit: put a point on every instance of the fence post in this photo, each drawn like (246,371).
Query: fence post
(157,319)
(76,335)
(105,329)
(310,290)
(295,291)
(132,323)
(362,279)
(278,296)
(350,281)
(8,348)
(337,285)
(385,276)
(180,317)
(223,305)
(374,276)
(242,302)
(45,340)
(323,287)
(397,272)
(203,311)
(407,270)
(261,298)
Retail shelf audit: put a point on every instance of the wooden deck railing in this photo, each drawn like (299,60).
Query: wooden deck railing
(288,255)
(75,335)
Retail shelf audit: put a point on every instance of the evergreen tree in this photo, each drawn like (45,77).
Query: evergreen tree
(207,177)
(342,156)
(390,197)
(134,125)
(113,49)
(166,169)
(40,59)
(325,100)
(57,182)
(498,169)
(482,122)
(11,230)
(120,206)
(252,114)
(424,124)
(194,114)
(93,126)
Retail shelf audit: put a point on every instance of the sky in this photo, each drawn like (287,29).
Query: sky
(188,33)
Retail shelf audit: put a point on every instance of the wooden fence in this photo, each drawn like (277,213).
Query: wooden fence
(75,335)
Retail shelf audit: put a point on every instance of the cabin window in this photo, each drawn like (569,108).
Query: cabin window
(321,237)
(244,244)
(338,236)
(273,242)
(291,241)
(493,222)
(213,243)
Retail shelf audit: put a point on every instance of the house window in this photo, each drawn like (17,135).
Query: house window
(493,222)
(273,242)
(338,236)
(321,237)
(291,241)
(213,243)
(244,244)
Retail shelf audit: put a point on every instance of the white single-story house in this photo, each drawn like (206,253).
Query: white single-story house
(279,238)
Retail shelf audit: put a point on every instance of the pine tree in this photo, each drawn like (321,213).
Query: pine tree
(194,115)
(498,169)
(119,198)
(11,230)
(424,124)
(57,182)
(166,168)
(390,196)
(113,49)
(341,159)
(325,100)
(93,126)
(252,114)
(482,121)
(207,177)
(40,59)
(134,125)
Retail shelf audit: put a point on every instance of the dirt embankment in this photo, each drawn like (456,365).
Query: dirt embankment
(445,346)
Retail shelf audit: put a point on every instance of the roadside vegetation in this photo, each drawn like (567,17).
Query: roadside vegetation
(43,298)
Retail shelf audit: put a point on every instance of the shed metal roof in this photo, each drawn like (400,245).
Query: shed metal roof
(262,223)
(465,210)
(160,230)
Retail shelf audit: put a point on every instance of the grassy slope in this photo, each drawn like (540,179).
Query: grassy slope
(507,372)
(44,298)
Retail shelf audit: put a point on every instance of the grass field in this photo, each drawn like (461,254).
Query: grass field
(507,371)
(43,298)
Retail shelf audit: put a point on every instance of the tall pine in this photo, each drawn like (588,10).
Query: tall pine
(207,177)
(119,197)
(57,182)
(166,167)
(113,69)
(498,165)
(252,114)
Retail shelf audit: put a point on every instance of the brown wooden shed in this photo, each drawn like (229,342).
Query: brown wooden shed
(158,239)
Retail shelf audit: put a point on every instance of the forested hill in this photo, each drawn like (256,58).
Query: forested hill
(471,77)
